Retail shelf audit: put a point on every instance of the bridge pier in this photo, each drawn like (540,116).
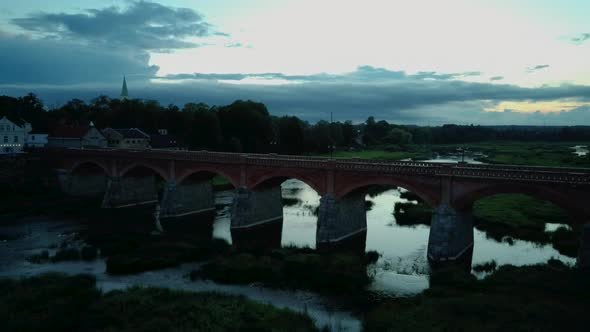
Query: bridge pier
(257,217)
(584,249)
(186,199)
(342,223)
(82,184)
(451,236)
(130,191)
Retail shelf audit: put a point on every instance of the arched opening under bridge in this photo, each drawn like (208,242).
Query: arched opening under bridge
(87,178)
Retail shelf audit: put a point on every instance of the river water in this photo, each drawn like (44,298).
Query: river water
(401,270)
(580,150)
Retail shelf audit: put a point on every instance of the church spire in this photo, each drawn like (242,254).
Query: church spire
(124,92)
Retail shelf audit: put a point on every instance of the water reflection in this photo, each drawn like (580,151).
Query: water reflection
(580,150)
(402,268)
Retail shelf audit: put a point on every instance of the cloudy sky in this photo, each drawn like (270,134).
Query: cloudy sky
(424,62)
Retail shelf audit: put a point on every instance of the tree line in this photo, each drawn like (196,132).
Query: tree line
(247,126)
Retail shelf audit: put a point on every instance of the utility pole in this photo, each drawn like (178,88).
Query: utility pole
(331,141)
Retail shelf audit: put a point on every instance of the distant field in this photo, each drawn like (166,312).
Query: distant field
(525,153)
(501,152)
(376,154)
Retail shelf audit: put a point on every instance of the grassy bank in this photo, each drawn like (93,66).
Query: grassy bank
(333,273)
(59,303)
(496,152)
(523,153)
(505,217)
(532,298)
(524,217)
(384,153)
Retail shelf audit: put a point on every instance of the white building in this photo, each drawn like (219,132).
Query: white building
(12,136)
(77,137)
(36,140)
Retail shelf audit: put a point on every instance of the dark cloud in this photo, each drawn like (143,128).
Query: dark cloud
(496,78)
(362,73)
(536,68)
(34,62)
(581,38)
(143,25)
(401,101)
(452,76)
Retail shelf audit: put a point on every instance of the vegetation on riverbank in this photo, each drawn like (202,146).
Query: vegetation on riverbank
(55,302)
(135,247)
(162,254)
(504,217)
(531,298)
(134,253)
(551,154)
(409,214)
(295,268)
(383,153)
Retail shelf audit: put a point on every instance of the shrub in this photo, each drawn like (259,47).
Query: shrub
(485,267)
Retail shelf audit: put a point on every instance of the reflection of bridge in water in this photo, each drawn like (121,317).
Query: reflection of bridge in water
(131,177)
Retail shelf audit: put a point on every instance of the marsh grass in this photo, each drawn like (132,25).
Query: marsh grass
(530,298)
(55,302)
(333,273)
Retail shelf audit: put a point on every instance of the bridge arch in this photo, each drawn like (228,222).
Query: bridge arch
(80,164)
(426,195)
(159,171)
(233,179)
(546,193)
(281,176)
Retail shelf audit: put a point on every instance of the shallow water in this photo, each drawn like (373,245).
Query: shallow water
(580,150)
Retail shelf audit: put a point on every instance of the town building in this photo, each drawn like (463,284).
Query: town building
(12,136)
(77,137)
(163,140)
(35,140)
(129,138)
(124,91)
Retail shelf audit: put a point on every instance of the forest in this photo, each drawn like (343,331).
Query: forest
(248,126)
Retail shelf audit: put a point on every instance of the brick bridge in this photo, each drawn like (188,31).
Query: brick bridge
(128,178)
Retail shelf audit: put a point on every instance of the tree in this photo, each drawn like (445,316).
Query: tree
(291,135)
(348,133)
(248,122)
(205,130)
(398,136)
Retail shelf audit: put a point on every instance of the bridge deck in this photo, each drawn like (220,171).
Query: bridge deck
(566,175)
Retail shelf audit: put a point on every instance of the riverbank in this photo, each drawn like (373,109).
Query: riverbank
(55,302)
(549,297)
(340,274)
(506,217)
